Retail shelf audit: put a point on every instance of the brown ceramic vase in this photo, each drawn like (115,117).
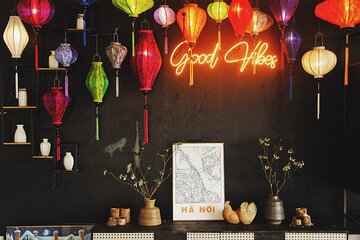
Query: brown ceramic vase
(149,214)
(274,210)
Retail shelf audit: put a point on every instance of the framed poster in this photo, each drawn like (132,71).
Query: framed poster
(198,181)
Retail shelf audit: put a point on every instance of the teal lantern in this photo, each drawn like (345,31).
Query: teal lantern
(97,83)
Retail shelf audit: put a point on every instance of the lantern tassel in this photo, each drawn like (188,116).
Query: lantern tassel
(66,84)
(58,155)
(318,101)
(254,61)
(36,31)
(166,44)
(191,83)
(84,27)
(97,115)
(16,82)
(146,119)
(346,73)
(117,81)
(290,83)
(219,36)
(133,37)
(282,60)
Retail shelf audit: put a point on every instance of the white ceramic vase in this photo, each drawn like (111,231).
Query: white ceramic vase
(68,161)
(20,134)
(22,97)
(80,21)
(45,147)
(53,63)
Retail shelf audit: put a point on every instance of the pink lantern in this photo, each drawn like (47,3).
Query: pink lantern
(165,16)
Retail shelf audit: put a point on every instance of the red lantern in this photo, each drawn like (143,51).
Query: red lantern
(146,65)
(56,104)
(37,14)
(345,14)
(191,20)
(240,14)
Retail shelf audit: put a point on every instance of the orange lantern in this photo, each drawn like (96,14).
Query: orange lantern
(345,14)
(191,20)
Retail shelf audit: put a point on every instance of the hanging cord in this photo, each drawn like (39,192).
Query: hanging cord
(56,80)
(97,55)
(84,26)
(116,35)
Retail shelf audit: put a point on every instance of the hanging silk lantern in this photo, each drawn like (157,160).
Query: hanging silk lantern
(66,55)
(292,42)
(191,20)
(116,53)
(282,11)
(37,14)
(16,38)
(97,84)
(218,10)
(84,4)
(56,103)
(345,14)
(318,62)
(165,16)
(134,8)
(240,14)
(146,65)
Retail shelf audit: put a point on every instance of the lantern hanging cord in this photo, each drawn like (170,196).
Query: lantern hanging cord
(97,48)
(145,25)
(65,37)
(116,35)
(319,35)
(56,80)
(13,11)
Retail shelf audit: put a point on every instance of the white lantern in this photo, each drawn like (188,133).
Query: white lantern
(165,16)
(318,62)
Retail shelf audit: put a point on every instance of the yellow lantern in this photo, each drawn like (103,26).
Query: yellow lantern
(318,62)
(218,10)
(16,38)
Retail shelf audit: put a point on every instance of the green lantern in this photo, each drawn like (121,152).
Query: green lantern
(97,84)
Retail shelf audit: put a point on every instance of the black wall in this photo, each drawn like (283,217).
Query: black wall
(222,106)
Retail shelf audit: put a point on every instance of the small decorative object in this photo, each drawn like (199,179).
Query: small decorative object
(45,147)
(56,103)
(133,8)
(16,38)
(292,41)
(68,161)
(318,62)
(301,219)
(112,222)
(125,213)
(146,65)
(20,134)
(149,214)
(121,221)
(37,14)
(84,4)
(53,63)
(66,55)
(80,21)
(22,97)
(115,212)
(97,84)
(247,212)
(273,206)
(116,54)
(191,20)
(229,214)
(165,16)
(240,14)
(345,14)
(218,10)
(296,222)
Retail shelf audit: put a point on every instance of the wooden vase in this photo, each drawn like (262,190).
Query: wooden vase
(149,214)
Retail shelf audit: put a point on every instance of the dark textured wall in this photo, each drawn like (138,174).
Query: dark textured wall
(222,106)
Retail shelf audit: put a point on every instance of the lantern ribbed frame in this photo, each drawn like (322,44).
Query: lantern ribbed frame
(292,42)
(56,104)
(283,10)
(36,13)
(66,54)
(240,14)
(133,7)
(319,61)
(259,22)
(97,82)
(15,36)
(218,10)
(164,16)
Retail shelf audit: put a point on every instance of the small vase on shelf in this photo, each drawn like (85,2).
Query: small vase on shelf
(68,161)
(45,147)
(20,134)
(274,210)
(149,214)
(22,97)
(80,21)
(53,63)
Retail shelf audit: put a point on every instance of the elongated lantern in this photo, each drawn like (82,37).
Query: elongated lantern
(66,55)
(56,103)
(165,16)
(346,15)
(191,20)
(240,14)
(218,10)
(133,8)
(146,65)
(282,11)
(292,42)
(116,53)
(318,62)
(84,4)
(16,38)
(37,14)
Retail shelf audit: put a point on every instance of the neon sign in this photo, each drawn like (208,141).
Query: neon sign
(256,57)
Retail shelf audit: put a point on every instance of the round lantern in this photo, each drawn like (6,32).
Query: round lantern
(345,14)
(218,10)
(133,8)
(16,38)
(146,65)
(165,16)
(116,53)
(37,14)
(318,62)
(191,20)
(56,103)
(240,14)
(84,4)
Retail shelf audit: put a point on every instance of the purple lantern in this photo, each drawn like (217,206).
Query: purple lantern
(66,55)
(291,45)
